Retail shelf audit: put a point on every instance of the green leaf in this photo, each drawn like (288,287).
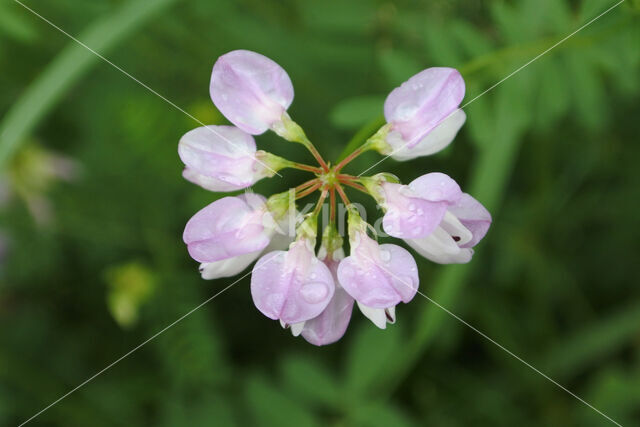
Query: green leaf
(371,350)
(353,113)
(310,381)
(272,408)
(441,46)
(378,414)
(67,68)
(16,25)
(593,342)
(398,66)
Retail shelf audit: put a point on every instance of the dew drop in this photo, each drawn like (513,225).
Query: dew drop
(314,292)
(385,256)
(417,231)
(412,207)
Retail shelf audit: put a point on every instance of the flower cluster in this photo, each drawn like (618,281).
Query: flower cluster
(310,292)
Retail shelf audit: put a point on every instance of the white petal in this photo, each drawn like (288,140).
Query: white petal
(376,315)
(296,328)
(439,138)
(440,247)
(210,183)
(227,267)
(452,225)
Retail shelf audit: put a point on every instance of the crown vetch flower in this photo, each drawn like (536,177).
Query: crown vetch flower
(313,295)
(330,325)
(422,114)
(223,158)
(251,90)
(280,239)
(426,213)
(229,227)
(464,224)
(292,286)
(377,276)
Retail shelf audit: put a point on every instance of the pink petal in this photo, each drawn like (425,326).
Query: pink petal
(251,90)
(436,140)
(291,286)
(408,216)
(436,187)
(380,280)
(227,227)
(210,183)
(331,324)
(423,101)
(475,217)
(224,153)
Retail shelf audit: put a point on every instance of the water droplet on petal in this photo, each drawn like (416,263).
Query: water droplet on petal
(420,212)
(385,255)
(313,275)
(416,231)
(314,292)
(412,207)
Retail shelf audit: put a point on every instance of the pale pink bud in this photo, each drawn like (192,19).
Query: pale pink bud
(251,90)
(221,158)
(423,113)
(291,286)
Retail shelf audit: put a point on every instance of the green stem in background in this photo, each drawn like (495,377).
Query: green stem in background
(68,67)
(490,58)
(362,135)
(291,131)
(490,174)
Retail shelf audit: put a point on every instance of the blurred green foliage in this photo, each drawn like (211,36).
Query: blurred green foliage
(552,152)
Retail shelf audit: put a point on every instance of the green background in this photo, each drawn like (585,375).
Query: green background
(552,152)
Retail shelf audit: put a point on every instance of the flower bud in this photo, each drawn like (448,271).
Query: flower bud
(222,158)
(229,227)
(292,286)
(250,90)
(423,114)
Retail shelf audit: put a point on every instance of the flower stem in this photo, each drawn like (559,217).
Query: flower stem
(308,191)
(356,186)
(332,205)
(306,184)
(314,152)
(320,203)
(307,168)
(364,147)
(342,194)
(345,177)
